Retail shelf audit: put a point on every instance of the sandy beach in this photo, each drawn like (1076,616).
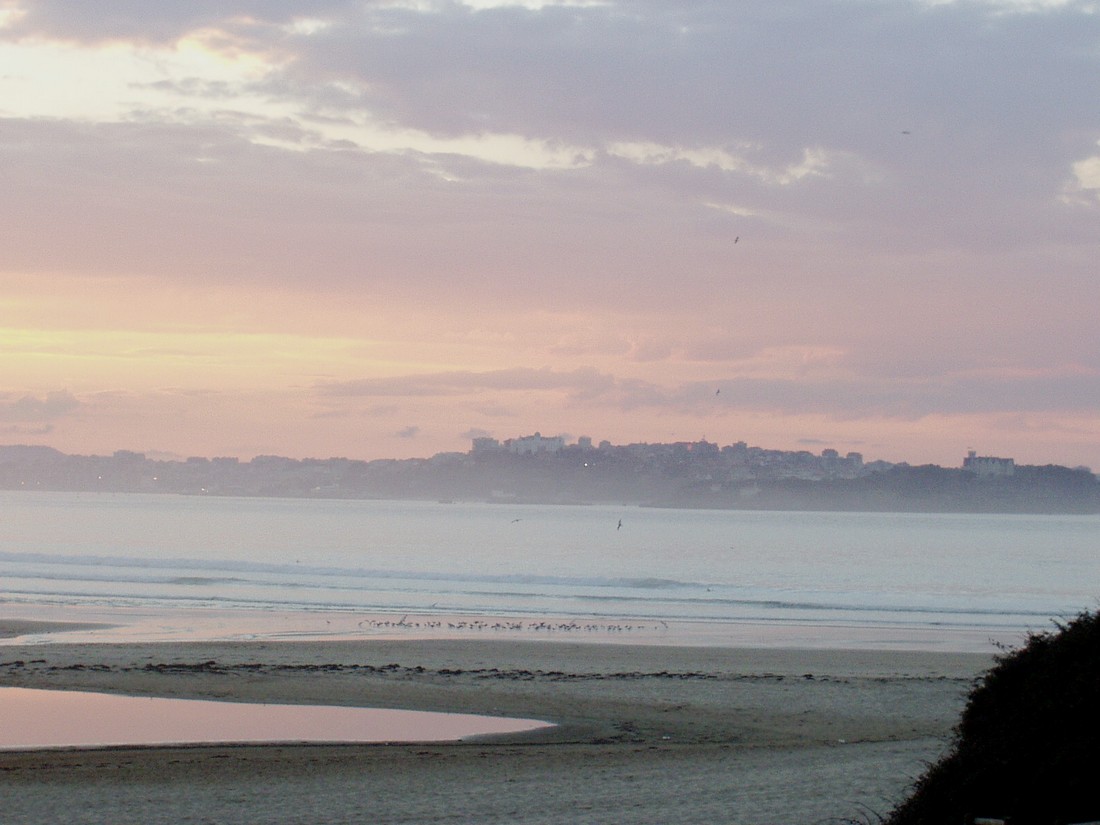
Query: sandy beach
(643,734)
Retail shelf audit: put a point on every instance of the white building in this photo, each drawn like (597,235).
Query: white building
(530,444)
(987,466)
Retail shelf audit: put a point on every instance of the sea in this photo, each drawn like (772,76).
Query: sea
(163,568)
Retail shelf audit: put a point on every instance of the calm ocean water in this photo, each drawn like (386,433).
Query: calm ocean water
(364,567)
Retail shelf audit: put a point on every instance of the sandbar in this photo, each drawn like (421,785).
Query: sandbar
(642,734)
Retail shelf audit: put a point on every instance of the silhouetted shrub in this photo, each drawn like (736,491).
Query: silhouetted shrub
(1027,747)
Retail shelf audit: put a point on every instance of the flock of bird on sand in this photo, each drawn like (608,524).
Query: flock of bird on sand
(531,626)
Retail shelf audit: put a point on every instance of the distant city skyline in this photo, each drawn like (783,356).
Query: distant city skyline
(544,470)
(531,443)
(376,230)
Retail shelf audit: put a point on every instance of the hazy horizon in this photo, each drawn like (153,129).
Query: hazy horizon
(815,449)
(375,230)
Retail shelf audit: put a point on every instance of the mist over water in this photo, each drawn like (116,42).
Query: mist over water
(530,563)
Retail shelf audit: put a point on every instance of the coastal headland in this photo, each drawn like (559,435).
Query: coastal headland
(687,475)
(642,734)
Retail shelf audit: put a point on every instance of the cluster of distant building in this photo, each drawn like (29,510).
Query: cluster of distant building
(829,460)
(545,469)
(776,463)
(527,445)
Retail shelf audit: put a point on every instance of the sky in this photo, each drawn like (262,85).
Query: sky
(377,229)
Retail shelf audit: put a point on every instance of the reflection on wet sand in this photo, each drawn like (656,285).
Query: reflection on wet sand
(54,718)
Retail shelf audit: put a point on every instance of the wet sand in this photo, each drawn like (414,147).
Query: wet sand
(14,628)
(644,734)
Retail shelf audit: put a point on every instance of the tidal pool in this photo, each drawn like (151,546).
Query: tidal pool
(57,719)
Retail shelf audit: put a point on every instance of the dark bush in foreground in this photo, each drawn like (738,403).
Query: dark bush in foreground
(1028,746)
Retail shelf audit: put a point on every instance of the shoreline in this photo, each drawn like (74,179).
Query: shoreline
(91,624)
(689,733)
